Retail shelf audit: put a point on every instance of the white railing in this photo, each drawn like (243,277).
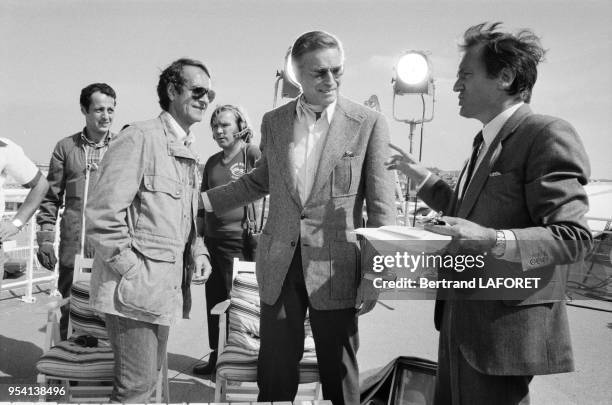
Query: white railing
(25,241)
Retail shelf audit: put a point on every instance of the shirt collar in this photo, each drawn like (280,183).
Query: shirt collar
(490,131)
(176,130)
(103,142)
(303,110)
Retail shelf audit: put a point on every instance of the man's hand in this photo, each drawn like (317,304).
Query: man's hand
(366,306)
(466,235)
(202,265)
(407,164)
(7,229)
(46,256)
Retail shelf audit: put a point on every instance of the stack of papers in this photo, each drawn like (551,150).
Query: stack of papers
(399,233)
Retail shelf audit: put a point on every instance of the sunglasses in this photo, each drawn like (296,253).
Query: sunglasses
(199,92)
(336,72)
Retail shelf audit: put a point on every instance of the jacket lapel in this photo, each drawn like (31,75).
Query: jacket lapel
(484,169)
(283,126)
(343,127)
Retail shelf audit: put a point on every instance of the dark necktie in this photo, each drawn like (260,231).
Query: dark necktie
(317,115)
(478,139)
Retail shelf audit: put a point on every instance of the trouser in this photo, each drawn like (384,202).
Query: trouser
(282,344)
(458,383)
(139,349)
(219,284)
(64,282)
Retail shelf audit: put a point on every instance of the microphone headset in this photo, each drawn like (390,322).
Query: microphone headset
(245,132)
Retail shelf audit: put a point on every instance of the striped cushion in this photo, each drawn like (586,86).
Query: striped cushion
(69,360)
(84,320)
(244,340)
(238,363)
(245,287)
(244,316)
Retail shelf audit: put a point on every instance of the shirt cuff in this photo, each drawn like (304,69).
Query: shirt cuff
(422,183)
(512,252)
(206,202)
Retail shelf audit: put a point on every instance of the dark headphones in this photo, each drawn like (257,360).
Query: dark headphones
(244,131)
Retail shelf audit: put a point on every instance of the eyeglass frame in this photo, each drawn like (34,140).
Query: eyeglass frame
(198,92)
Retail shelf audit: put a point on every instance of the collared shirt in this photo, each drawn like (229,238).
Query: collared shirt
(188,174)
(309,136)
(489,132)
(95,151)
(177,130)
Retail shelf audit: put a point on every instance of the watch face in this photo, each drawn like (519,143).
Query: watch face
(17,223)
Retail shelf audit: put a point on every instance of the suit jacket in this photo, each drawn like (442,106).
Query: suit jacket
(540,167)
(351,170)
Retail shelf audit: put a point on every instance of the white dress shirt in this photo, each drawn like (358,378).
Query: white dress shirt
(309,136)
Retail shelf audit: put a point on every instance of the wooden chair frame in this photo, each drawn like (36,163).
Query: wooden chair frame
(224,389)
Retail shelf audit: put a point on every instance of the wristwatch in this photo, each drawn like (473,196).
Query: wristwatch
(499,248)
(17,223)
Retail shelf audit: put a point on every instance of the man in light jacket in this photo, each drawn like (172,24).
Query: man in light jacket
(141,218)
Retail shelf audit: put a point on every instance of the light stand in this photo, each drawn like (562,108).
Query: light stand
(413,76)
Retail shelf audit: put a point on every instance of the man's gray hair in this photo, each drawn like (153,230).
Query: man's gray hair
(312,41)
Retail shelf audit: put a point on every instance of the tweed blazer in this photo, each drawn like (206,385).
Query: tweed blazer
(351,171)
(531,182)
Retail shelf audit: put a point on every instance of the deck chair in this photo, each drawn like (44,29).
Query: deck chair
(84,372)
(239,343)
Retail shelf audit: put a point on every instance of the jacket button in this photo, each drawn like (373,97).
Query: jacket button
(302,216)
(292,243)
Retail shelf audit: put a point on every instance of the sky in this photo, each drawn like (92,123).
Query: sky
(51,49)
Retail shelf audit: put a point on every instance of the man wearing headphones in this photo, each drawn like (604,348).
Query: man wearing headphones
(225,233)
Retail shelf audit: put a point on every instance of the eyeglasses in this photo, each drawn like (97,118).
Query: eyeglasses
(336,72)
(199,92)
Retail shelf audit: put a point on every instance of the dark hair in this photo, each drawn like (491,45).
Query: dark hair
(312,41)
(85,98)
(520,53)
(173,74)
(240,116)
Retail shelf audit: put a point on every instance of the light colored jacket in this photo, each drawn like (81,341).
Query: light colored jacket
(135,220)
(350,171)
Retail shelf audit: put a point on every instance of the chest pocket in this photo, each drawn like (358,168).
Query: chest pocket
(345,177)
(162,184)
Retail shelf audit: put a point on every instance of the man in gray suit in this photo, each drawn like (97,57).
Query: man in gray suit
(525,203)
(322,157)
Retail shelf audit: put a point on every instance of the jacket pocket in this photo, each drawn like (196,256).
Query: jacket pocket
(163,184)
(344,269)
(151,285)
(345,177)
(158,210)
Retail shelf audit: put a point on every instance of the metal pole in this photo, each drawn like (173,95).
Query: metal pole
(409,181)
(30,263)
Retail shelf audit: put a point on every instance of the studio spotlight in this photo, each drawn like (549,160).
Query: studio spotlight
(413,74)
(414,77)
